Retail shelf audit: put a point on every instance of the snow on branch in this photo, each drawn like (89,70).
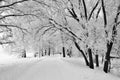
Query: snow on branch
(48,29)
(85,9)
(40,28)
(14,26)
(98,12)
(7,42)
(21,1)
(16,15)
(4,6)
(93,9)
(62,27)
(72,11)
(41,2)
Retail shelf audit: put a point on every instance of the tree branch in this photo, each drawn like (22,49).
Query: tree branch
(47,30)
(93,9)
(65,29)
(40,28)
(104,13)
(7,25)
(85,9)
(16,15)
(41,2)
(98,12)
(72,12)
(7,42)
(4,6)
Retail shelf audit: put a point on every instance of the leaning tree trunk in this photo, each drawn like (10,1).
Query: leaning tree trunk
(78,47)
(91,65)
(107,57)
(63,48)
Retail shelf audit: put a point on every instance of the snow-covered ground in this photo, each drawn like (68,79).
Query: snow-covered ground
(49,68)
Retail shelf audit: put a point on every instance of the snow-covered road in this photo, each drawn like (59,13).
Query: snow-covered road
(52,68)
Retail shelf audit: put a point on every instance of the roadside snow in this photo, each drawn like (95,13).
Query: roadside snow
(51,68)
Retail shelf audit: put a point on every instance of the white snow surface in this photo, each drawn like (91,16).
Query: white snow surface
(50,68)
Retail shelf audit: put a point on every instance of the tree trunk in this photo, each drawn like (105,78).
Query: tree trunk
(114,33)
(97,60)
(78,47)
(42,52)
(63,51)
(49,51)
(107,57)
(24,53)
(102,59)
(39,53)
(91,65)
(70,52)
(45,52)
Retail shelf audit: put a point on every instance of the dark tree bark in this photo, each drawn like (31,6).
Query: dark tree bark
(104,13)
(91,65)
(93,10)
(107,57)
(97,60)
(110,43)
(98,12)
(85,9)
(78,47)
(49,51)
(42,52)
(36,54)
(24,54)
(63,48)
(70,52)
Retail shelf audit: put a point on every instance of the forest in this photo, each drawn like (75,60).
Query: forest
(88,29)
